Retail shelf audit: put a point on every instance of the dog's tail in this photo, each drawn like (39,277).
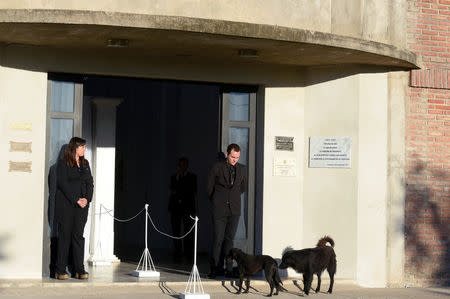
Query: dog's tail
(278,282)
(324,241)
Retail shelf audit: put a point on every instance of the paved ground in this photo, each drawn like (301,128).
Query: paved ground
(216,289)
(116,282)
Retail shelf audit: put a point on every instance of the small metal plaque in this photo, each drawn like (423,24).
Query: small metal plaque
(283,143)
(19,166)
(330,152)
(20,146)
(284,167)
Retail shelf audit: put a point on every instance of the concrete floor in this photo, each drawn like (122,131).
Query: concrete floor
(116,281)
(215,289)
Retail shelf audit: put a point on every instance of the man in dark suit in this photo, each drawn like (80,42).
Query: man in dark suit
(227,180)
(182,205)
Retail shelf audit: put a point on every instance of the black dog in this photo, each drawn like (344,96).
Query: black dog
(312,261)
(250,264)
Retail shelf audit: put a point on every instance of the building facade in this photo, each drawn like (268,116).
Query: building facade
(427,145)
(148,81)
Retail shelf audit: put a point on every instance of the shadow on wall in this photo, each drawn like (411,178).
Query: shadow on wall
(284,272)
(3,239)
(426,226)
(52,233)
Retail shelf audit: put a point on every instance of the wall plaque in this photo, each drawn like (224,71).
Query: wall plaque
(283,143)
(20,146)
(19,166)
(21,126)
(284,167)
(330,152)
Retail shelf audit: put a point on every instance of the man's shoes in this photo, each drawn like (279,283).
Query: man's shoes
(62,276)
(82,275)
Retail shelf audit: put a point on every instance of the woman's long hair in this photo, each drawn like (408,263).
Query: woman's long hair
(70,152)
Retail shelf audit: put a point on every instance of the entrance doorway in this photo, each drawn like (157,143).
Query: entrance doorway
(157,122)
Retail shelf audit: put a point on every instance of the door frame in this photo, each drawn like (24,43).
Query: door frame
(249,244)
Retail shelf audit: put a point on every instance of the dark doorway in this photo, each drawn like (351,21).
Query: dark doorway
(158,122)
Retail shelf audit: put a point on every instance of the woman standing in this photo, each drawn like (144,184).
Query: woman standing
(74,193)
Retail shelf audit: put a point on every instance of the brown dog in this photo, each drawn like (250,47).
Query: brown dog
(249,264)
(312,261)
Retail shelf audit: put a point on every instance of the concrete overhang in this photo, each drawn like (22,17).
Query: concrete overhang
(193,39)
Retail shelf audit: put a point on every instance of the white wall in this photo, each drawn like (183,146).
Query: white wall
(282,203)
(372,181)
(330,194)
(348,204)
(23,101)
(398,85)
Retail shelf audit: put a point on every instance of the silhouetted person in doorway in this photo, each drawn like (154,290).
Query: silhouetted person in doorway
(182,205)
(52,224)
(227,180)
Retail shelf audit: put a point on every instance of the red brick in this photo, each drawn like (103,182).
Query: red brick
(429,22)
(439,17)
(430,11)
(428,145)
(429,32)
(435,111)
(439,6)
(439,38)
(436,101)
(443,28)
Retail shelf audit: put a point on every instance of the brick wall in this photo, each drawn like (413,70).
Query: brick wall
(428,146)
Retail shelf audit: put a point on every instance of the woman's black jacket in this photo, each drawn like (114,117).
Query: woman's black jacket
(73,183)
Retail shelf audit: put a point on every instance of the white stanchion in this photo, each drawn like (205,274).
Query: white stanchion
(194,287)
(147,268)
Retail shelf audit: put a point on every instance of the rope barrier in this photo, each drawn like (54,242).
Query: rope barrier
(167,235)
(108,212)
(117,219)
(194,287)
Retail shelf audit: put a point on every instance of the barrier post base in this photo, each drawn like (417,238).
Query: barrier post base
(193,296)
(142,273)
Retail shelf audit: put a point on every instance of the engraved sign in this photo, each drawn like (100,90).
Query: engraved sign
(283,143)
(19,166)
(330,152)
(21,126)
(284,167)
(20,146)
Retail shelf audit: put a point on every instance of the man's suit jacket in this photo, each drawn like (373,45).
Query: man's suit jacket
(220,190)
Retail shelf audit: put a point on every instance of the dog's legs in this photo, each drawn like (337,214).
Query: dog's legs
(318,282)
(277,280)
(331,271)
(330,289)
(241,280)
(307,279)
(247,284)
(269,277)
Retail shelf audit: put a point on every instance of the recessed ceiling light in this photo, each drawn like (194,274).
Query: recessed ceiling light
(117,43)
(248,53)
